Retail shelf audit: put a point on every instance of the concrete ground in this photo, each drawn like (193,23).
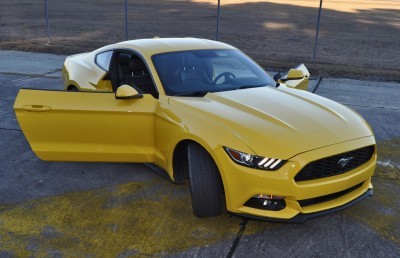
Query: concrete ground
(104,209)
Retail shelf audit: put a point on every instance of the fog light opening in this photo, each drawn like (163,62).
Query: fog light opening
(266,202)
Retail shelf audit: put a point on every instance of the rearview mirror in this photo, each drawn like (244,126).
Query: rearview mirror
(127,92)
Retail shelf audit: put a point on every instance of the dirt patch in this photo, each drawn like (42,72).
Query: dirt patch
(388,166)
(381,212)
(357,38)
(109,221)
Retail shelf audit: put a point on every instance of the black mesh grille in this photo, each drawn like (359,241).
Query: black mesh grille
(335,165)
(329,197)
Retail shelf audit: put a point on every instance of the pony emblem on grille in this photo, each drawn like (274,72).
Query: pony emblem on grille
(344,161)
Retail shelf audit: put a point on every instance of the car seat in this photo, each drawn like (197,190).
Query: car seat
(139,76)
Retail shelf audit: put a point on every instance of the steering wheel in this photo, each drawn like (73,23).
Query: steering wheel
(226,75)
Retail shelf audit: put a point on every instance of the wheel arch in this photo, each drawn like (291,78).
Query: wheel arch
(72,86)
(180,170)
(68,83)
(180,161)
(77,70)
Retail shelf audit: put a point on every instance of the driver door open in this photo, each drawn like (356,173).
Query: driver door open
(87,126)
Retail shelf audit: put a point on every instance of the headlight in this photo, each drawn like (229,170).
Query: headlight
(253,161)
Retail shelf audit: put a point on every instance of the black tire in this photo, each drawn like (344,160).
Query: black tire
(205,182)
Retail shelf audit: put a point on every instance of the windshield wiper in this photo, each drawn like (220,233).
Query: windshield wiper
(192,94)
(250,86)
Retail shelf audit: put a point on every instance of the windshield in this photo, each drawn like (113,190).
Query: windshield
(197,72)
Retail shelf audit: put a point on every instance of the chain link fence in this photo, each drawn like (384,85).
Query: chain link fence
(366,33)
(22,19)
(271,30)
(359,36)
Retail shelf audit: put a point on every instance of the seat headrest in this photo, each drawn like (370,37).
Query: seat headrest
(123,59)
(195,68)
(136,64)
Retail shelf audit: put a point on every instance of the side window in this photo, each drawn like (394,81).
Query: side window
(103,60)
(129,68)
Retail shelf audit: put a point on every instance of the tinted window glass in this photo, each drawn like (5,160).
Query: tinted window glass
(103,60)
(194,71)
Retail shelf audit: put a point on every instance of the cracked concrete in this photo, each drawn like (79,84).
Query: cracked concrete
(85,209)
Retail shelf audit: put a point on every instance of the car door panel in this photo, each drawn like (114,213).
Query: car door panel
(87,126)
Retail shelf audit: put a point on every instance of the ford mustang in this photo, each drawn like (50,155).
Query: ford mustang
(202,110)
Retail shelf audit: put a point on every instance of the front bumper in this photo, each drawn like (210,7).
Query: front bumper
(241,183)
(302,217)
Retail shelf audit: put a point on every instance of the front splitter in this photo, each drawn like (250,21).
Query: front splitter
(302,217)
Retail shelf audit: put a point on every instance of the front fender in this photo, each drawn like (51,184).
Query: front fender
(175,124)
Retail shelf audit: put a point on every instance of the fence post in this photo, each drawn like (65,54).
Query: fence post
(218,14)
(316,33)
(126,19)
(46,10)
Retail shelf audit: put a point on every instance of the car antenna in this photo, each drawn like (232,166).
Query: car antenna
(278,76)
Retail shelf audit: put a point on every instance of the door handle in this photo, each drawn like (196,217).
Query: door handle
(36,108)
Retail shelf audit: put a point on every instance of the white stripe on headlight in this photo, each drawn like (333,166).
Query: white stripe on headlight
(276,163)
(262,161)
(269,162)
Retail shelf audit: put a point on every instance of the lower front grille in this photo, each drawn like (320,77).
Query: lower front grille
(335,165)
(329,197)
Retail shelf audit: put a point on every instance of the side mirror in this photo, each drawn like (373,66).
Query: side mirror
(297,77)
(295,74)
(127,92)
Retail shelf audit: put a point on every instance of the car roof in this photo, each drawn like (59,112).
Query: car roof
(153,46)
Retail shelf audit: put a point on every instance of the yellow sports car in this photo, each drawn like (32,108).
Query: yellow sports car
(203,110)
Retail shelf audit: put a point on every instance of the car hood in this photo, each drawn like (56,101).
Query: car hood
(278,122)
